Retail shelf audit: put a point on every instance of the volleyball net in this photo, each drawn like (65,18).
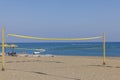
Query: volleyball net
(55,39)
(68,39)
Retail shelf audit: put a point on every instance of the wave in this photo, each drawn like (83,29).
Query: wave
(41,50)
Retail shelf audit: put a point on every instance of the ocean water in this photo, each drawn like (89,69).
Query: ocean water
(68,48)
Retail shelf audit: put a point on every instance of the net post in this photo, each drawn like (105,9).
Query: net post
(3,50)
(104,48)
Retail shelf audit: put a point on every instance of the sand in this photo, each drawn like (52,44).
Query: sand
(60,68)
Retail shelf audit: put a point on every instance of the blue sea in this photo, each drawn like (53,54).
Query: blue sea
(68,48)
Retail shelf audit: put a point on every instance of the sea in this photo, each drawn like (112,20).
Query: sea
(67,48)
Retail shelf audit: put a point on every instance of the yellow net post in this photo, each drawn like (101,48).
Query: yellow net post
(104,49)
(3,50)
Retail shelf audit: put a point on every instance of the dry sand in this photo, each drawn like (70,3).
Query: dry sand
(60,68)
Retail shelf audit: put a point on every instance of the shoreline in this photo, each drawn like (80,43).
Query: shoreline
(49,55)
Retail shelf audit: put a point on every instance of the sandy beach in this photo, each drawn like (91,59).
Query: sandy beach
(60,68)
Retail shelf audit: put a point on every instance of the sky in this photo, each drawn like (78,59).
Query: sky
(60,18)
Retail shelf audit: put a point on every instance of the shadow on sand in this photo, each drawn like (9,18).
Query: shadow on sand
(42,73)
(108,66)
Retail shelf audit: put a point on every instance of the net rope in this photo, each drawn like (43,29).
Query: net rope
(40,38)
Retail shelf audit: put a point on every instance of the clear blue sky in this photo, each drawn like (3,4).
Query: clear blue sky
(61,18)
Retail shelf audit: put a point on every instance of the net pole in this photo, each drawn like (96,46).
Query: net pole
(3,50)
(104,48)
